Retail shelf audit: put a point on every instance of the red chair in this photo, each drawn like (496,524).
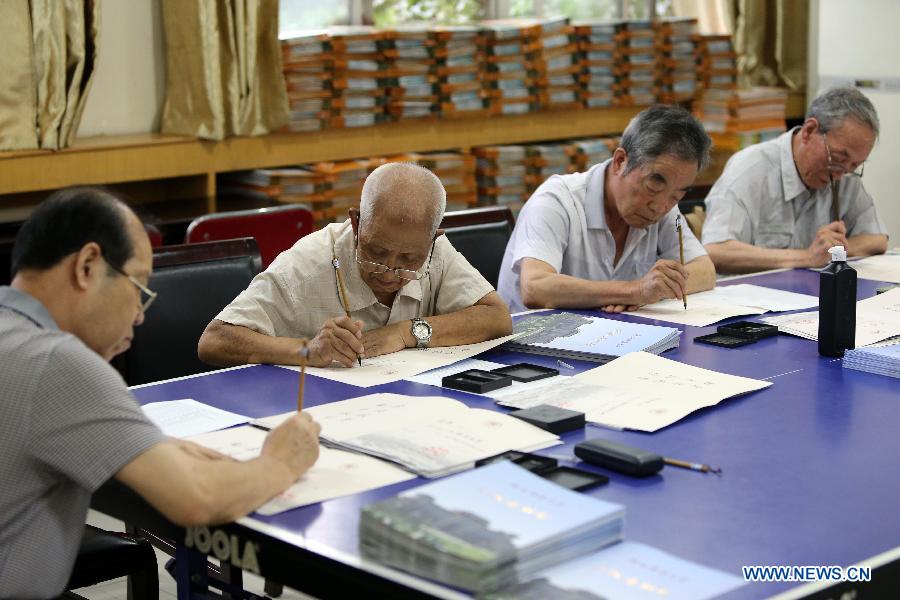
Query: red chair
(155,235)
(275,228)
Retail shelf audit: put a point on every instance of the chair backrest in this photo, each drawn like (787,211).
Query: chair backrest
(481,235)
(155,235)
(194,282)
(275,228)
(695,220)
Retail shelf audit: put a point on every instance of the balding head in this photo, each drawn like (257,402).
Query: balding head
(405,194)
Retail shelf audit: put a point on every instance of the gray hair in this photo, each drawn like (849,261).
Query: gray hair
(661,130)
(832,107)
(406,192)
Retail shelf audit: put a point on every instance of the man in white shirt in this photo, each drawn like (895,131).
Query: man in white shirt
(772,206)
(606,238)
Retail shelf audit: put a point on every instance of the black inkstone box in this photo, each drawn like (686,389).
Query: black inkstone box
(525,372)
(476,380)
(748,330)
(551,418)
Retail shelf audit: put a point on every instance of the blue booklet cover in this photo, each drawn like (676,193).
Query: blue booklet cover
(495,514)
(589,338)
(627,570)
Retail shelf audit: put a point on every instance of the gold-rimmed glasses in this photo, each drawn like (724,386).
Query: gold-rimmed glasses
(147,295)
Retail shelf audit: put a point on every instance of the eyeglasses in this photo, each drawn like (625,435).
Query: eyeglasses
(407,274)
(837,168)
(147,295)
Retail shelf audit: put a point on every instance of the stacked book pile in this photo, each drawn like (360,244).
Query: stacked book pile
(736,118)
(558,65)
(328,188)
(361,76)
(501,172)
(718,62)
(456,170)
(676,60)
(308,77)
(511,77)
(460,66)
(413,73)
(598,42)
(881,359)
(590,152)
(545,160)
(637,64)
(486,529)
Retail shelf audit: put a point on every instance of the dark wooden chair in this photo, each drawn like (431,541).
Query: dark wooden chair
(194,282)
(481,235)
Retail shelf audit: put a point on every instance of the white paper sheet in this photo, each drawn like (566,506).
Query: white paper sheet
(432,436)
(336,473)
(646,392)
(877,319)
(699,313)
(756,296)
(401,365)
(181,418)
(885,267)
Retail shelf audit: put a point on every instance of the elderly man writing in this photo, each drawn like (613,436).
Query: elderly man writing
(406,286)
(606,238)
(772,207)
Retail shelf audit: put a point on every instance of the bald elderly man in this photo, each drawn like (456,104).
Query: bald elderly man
(406,286)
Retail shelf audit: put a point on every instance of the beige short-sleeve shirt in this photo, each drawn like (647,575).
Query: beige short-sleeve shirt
(298,292)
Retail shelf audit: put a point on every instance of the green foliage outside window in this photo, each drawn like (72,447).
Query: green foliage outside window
(447,12)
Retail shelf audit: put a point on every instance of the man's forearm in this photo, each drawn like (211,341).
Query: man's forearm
(554,290)
(225,345)
(738,257)
(467,326)
(701,275)
(867,244)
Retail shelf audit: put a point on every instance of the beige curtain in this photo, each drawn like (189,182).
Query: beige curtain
(714,17)
(771,40)
(46,68)
(223,63)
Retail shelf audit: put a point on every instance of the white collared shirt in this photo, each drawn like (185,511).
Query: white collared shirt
(564,225)
(761,200)
(298,292)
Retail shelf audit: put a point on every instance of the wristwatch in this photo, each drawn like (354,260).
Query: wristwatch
(421,331)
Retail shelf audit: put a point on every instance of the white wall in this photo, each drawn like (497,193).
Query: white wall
(127,93)
(859,40)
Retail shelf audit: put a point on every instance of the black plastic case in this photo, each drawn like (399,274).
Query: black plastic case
(551,418)
(749,329)
(724,340)
(526,372)
(619,457)
(476,380)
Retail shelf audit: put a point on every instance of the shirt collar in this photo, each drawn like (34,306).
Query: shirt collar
(27,306)
(792,185)
(594,213)
(359,295)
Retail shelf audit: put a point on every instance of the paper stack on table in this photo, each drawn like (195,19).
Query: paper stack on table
(724,302)
(336,472)
(638,391)
(882,358)
(431,436)
(487,528)
(884,267)
(624,570)
(181,418)
(877,319)
(569,335)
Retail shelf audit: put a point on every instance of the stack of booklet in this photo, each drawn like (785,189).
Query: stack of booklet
(413,73)
(460,66)
(431,436)
(637,67)
(590,152)
(308,77)
(486,529)
(361,76)
(546,160)
(456,171)
(881,359)
(598,42)
(676,64)
(568,335)
(500,171)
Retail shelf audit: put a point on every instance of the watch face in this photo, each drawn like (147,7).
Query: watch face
(421,331)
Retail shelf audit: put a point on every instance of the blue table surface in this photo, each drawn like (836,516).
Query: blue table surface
(809,465)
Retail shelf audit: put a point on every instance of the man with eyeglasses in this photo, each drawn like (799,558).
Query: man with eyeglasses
(68,423)
(607,238)
(405,285)
(785,202)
